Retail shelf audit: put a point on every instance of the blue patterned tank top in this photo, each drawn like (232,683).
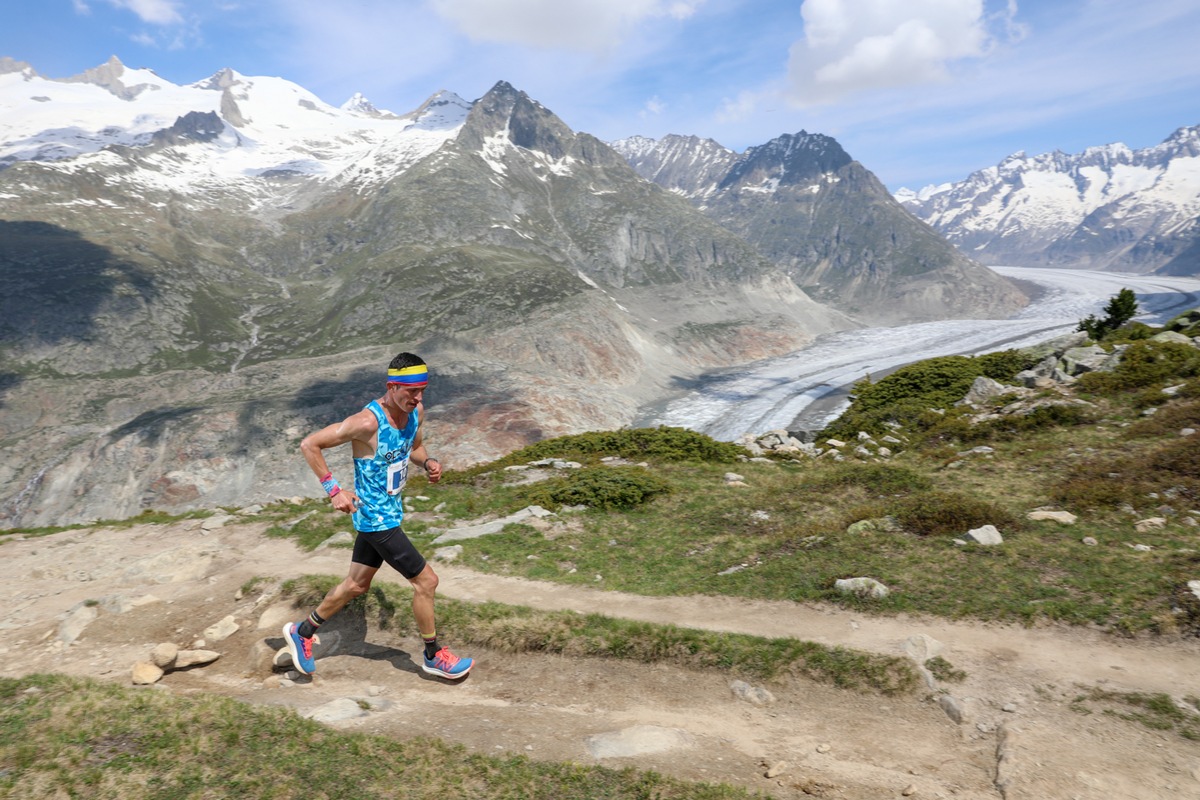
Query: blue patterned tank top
(379,478)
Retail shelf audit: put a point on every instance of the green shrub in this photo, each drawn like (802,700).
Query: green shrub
(1013,426)
(1145,364)
(1087,489)
(1187,323)
(877,479)
(1004,365)
(662,443)
(1169,420)
(905,396)
(1131,332)
(944,513)
(936,382)
(1171,470)
(605,488)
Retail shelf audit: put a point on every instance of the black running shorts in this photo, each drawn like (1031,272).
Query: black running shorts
(372,548)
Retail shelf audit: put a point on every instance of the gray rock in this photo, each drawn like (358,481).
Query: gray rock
(1171,336)
(195,658)
(1063,517)
(340,710)
(495,526)
(75,621)
(863,587)
(755,695)
(220,631)
(986,535)
(921,648)
(448,554)
(982,390)
(164,654)
(145,674)
(637,740)
(344,537)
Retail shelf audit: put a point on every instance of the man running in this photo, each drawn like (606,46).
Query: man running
(385,437)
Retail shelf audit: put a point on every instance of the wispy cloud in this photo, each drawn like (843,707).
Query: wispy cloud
(654,106)
(153,12)
(593,25)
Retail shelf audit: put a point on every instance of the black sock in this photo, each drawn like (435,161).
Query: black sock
(310,625)
(431,648)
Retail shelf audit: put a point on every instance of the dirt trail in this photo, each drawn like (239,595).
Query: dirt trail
(1018,738)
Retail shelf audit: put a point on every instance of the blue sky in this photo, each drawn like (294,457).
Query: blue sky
(919,91)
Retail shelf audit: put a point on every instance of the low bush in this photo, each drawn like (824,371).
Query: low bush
(1169,472)
(945,513)
(606,488)
(1169,420)
(662,443)
(876,479)
(1014,426)
(1145,364)
(905,396)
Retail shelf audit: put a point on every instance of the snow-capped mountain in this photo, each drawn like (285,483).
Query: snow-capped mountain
(222,261)
(1108,207)
(828,222)
(254,127)
(687,165)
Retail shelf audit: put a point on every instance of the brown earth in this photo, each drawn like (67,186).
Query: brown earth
(1019,736)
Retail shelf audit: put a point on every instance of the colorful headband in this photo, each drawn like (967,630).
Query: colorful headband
(416,375)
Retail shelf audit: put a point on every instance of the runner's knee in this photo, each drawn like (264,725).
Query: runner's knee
(354,588)
(426,582)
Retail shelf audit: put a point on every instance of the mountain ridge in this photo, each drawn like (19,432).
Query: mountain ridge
(825,220)
(1109,207)
(232,270)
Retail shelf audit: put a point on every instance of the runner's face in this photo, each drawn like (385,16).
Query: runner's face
(406,397)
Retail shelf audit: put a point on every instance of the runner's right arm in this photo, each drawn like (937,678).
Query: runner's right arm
(360,427)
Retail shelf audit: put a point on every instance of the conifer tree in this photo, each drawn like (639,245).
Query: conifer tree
(1121,308)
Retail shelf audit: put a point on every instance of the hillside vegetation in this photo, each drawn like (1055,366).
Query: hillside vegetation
(670,512)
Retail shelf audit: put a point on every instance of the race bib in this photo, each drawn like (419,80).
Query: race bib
(397,476)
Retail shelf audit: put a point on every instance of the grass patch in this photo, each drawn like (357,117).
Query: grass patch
(69,737)
(944,671)
(149,516)
(784,535)
(519,629)
(1157,712)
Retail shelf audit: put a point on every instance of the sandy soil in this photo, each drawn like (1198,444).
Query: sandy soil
(1018,736)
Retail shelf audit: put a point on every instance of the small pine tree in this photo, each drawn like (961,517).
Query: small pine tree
(1121,308)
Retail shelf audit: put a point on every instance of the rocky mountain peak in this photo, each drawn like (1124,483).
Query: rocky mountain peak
(112,75)
(358,103)
(507,113)
(220,80)
(687,165)
(8,64)
(1183,143)
(443,110)
(789,159)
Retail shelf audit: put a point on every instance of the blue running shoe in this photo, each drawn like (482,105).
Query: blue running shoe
(448,665)
(300,649)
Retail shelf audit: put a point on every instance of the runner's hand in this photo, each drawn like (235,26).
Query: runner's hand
(345,501)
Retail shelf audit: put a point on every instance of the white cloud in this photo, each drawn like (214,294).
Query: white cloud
(155,12)
(739,108)
(851,46)
(654,107)
(593,25)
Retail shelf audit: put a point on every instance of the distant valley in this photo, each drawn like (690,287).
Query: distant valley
(199,275)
